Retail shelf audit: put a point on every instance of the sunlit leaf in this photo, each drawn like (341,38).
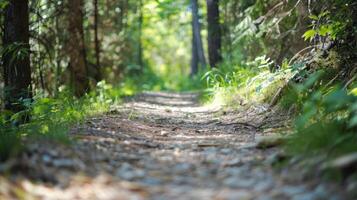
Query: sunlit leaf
(309,35)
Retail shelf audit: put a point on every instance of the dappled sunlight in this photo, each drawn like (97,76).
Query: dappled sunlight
(178,99)
(166,45)
(81,187)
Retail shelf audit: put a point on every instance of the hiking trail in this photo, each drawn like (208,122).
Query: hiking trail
(165,146)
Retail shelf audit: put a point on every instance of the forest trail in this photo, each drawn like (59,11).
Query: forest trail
(164,146)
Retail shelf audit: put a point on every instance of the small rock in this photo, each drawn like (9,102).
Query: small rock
(130,175)
(262,186)
(265,198)
(275,158)
(125,167)
(199,131)
(182,167)
(226,151)
(46,159)
(305,196)
(53,153)
(65,163)
(164,134)
(292,190)
(346,163)
(352,188)
(265,142)
(236,182)
(151,181)
(234,162)
(127,172)
(234,195)
(204,145)
(322,192)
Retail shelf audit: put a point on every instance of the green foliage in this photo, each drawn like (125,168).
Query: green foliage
(166,40)
(186,83)
(9,138)
(251,81)
(309,68)
(51,118)
(324,25)
(326,123)
(16,51)
(3,4)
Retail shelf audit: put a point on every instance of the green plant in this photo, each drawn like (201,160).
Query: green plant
(51,118)
(327,118)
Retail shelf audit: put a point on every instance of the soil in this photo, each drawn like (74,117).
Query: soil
(165,146)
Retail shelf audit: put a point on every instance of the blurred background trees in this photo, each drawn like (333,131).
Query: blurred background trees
(65,59)
(16,55)
(157,44)
(198,58)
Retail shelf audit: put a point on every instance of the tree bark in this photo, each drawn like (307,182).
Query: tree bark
(16,59)
(140,46)
(77,53)
(198,57)
(214,32)
(98,75)
(194,59)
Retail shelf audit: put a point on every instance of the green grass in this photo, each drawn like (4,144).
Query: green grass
(251,82)
(325,113)
(51,118)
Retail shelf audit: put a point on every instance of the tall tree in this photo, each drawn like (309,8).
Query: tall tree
(76,48)
(16,57)
(198,56)
(214,32)
(98,75)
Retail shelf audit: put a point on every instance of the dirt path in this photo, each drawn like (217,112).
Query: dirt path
(163,146)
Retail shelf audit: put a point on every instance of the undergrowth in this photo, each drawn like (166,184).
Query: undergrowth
(325,112)
(51,118)
(326,118)
(250,82)
(318,84)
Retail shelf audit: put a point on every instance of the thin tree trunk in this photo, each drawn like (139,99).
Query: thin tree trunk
(40,60)
(98,75)
(194,58)
(16,59)
(214,32)
(57,54)
(227,29)
(140,46)
(198,57)
(77,54)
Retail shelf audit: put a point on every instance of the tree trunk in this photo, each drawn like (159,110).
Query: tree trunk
(226,29)
(57,53)
(98,75)
(140,30)
(194,59)
(77,53)
(214,32)
(198,57)
(16,59)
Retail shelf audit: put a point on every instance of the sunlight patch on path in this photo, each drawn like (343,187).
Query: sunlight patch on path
(165,146)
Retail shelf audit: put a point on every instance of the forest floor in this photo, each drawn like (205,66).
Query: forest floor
(163,146)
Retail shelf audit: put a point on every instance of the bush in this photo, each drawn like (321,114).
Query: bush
(326,121)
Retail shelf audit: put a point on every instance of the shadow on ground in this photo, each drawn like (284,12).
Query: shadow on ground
(162,146)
